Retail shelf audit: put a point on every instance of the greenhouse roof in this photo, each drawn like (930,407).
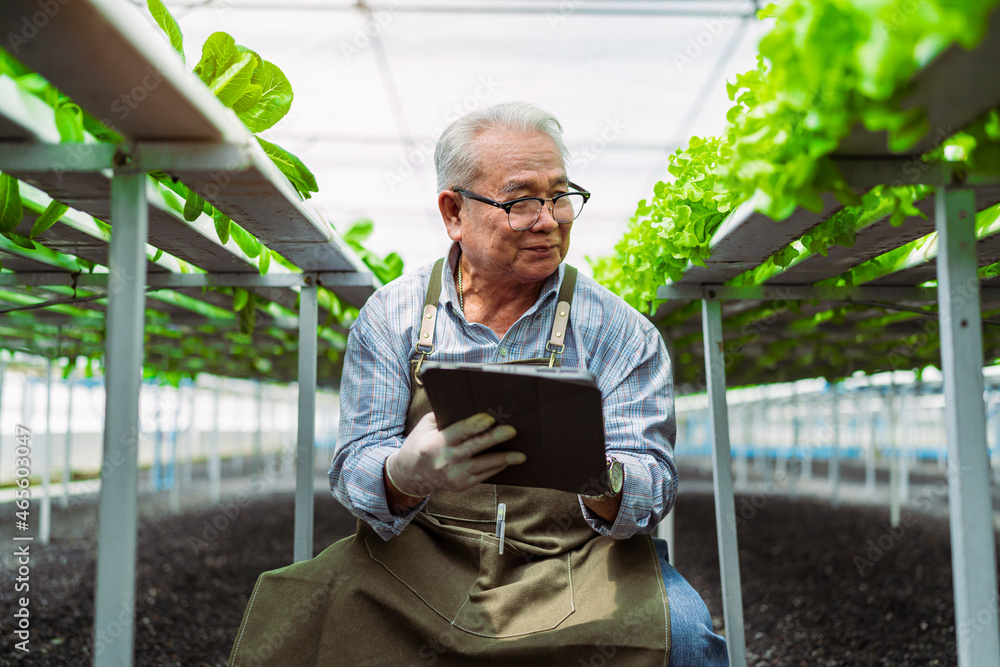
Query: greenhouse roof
(376,83)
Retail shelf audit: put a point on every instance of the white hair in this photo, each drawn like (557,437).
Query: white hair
(456,158)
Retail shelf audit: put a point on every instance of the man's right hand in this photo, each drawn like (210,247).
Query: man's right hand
(446,460)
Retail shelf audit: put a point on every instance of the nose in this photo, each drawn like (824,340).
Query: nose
(546,221)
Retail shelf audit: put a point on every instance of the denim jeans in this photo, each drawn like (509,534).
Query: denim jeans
(692,641)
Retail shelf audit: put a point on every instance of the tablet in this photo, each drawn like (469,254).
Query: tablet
(556,411)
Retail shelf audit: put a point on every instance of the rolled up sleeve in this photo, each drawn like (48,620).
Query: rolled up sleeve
(640,431)
(374,397)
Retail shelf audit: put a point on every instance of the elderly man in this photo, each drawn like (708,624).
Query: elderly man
(424,581)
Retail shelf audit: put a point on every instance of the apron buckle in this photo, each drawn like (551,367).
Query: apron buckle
(420,361)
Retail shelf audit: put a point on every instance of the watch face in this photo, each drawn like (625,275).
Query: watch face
(616,476)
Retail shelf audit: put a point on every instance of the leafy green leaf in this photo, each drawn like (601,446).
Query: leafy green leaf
(249,99)
(264,263)
(292,167)
(49,217)
(40,87)
(245,240)
(156,256)
(359,231)
(194,205)
(217,54)
(11,211)
(232,83)
(240,298)
(22,241)
(11,66)
(167,23)
(69,122)
(274,102)
(222,225)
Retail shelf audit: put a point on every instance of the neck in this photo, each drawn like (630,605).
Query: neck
(495,303)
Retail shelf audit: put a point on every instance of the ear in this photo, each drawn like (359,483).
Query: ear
(451,208)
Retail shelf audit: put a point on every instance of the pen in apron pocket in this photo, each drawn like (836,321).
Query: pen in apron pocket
(501,522)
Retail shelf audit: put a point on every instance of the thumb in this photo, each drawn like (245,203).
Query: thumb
(427,423)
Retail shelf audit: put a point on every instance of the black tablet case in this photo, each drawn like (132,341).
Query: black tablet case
(557,414)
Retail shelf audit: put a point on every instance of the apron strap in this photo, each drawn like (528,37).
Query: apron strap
(557,339)
(425,339)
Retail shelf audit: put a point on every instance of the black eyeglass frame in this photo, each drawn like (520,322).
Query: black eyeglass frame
(507,205)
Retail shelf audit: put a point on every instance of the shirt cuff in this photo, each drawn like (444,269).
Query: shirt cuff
(635,510)
(378,515)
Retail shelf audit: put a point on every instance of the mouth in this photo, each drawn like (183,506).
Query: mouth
(544,249)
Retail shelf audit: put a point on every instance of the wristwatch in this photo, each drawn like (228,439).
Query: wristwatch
(616,479)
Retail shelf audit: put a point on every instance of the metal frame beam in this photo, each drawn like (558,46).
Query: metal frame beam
(180,280)
(141,156)
(722,481)
(858,293)
(305,453)
(115,595)
(866,173)
(969,498)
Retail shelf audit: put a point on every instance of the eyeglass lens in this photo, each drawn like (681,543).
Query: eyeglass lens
(566,208)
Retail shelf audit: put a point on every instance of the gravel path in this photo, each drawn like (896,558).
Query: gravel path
(820,587)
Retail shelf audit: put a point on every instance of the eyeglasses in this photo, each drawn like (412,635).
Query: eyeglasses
(523,212)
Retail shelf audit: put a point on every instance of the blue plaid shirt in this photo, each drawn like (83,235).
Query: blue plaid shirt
(606,336)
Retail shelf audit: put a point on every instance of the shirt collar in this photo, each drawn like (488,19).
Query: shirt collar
(450,291)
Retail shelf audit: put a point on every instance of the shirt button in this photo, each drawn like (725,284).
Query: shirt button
(503,352)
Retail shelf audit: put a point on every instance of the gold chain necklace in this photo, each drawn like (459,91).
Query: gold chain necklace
(461,298)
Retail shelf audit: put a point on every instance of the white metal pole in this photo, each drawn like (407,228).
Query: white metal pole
(798,464)
(742,465)
(969,500)
(115,596)
(305,460)
(781,456)
(3,372)
(68,444)
(258,436)
(760,449)
(806,453)
(996,444)
(834,470)
(214,462)
(725,506)
(45,522)
(156,472)
(870,450)
(193,439)
(665,531)
(904,446)
(895,508)
(175,477)
(236,463)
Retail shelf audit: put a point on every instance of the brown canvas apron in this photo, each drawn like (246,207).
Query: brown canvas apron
(441,593)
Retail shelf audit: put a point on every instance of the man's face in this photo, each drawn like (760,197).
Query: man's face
(513,165)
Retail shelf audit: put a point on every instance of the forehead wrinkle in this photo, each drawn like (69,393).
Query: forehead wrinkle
(515,185)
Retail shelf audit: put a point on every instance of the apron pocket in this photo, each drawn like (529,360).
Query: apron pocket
(460,575)
(515,595)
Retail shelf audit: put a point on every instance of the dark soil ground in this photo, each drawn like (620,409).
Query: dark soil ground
(820,586)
